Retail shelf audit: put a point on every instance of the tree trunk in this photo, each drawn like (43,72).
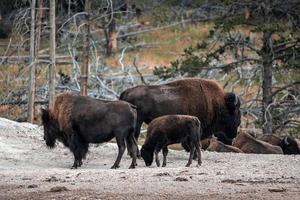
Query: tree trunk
(30,112)
(267,82)
(85,64)
(112,38)
(52,55)
(40,16)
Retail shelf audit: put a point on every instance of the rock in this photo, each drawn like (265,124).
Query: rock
(181,179)
(277,190)
(32,186)
(163,174)
(58,189)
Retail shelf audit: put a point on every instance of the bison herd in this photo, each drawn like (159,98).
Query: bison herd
(194,112)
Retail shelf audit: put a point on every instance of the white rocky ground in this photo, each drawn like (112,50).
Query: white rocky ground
(28,170)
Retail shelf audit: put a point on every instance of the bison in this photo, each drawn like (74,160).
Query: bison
(217,110)
(77,121)
(216,145)
(288,144)
(171,129)
(249,144)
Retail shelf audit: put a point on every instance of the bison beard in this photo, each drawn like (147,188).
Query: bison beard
(77,121)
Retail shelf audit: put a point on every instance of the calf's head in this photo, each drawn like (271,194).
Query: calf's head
(231,116)
(50,128)
(147,155)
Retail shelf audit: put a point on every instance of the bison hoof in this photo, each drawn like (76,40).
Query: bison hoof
(198,165)
(131,166)
(187,165)
(115,167)
(164,164)
(74,167)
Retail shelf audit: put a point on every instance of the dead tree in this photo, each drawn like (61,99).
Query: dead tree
(52,54)
(30,115)
(85,64)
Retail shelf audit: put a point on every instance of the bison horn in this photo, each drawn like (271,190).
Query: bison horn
(286,140)
(236,100)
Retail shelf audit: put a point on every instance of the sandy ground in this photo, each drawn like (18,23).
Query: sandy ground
(28,170)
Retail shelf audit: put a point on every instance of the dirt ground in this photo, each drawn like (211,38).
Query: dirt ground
(28,170)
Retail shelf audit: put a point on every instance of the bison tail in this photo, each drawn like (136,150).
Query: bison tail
(122,96)
(185,146)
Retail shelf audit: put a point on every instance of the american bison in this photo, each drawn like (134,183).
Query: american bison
(249,144)
(171,129)
(77,121)
(288,144)
(218,146)
(217,110)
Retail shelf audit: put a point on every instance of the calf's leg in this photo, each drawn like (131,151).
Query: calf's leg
(198,150)
(121,146)
(165,153)
(192,150)
(157,158)
(132,146)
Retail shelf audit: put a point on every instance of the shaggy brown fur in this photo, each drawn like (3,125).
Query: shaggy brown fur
(218,146)
(77,121)
(249,144)
(171,129)
(217,110)
(288,144)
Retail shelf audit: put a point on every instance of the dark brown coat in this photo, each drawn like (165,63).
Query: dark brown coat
(171,129)
(249,144)
(218,146)
(288,144)
(205,99)
(77,121)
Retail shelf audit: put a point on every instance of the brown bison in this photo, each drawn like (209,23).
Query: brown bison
(216,145)
(77,121)
(171,129)
(288,144)
(217,110)
(249,144)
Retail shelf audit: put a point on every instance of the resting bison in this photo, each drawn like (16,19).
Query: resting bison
(216,145)
(171,129)
(205,99)
(77,121)
(288,144)
(249,144)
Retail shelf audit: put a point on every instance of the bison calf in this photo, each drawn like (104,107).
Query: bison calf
(77,121)
(171,129)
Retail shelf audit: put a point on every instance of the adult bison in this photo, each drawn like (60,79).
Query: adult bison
(249,144)
(77,121)
(217,146)
(288,144)
(217,110)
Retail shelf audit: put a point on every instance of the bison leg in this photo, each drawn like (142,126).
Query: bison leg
(121,145)
(165,153)
(157,158)
(132,146)
(185,145)
(138,126)
(192,150)
(198,150)
(79,149)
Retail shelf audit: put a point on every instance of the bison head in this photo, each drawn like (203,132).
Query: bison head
(231,116)
(289,145)
(147,155)
(50,128)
